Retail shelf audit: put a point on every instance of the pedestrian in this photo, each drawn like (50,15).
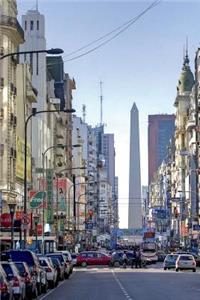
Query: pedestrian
(138,261)
(124,259)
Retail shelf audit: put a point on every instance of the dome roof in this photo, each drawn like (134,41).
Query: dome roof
(186,80)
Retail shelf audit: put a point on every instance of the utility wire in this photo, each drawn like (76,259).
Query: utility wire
(122,28)
(109,33)
(155,3)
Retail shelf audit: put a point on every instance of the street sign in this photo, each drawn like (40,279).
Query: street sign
(37,200)
(89,226)
(25,220)
(5,220)
(196,227)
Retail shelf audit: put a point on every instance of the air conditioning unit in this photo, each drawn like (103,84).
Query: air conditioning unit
(11,152)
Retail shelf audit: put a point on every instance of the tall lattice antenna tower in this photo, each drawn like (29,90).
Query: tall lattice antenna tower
(84,112)
(101,103)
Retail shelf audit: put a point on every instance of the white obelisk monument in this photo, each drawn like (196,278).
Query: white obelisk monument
(135,201)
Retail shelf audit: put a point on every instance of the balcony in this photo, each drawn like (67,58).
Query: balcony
(7,21)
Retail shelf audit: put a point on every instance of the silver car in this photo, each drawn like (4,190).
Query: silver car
(185,262)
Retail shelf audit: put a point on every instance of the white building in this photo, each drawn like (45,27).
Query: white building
(33,24)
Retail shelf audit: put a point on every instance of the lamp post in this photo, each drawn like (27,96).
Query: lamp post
(34,113)
(12,212)
(36,221)
(53,51)
(43,170)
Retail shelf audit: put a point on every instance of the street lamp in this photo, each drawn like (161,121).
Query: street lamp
(12,212)
(52,51)
(43,170)
(34,113)
(36,219)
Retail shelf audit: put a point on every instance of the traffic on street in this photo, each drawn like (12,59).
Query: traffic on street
(99,150)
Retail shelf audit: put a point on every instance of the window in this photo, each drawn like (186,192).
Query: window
(25,25)
(31,25)
(38,25)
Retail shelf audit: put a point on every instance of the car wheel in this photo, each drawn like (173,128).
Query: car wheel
(84,264)
(35,293)
(177,269)
(165,268)
(194,270)
(116,264)
(66,276)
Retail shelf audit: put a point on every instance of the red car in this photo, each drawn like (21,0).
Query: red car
(92,258)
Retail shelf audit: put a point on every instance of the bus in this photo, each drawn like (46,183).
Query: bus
(149,252)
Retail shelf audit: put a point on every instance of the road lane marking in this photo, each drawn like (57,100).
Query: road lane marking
(53,290)
(125,293)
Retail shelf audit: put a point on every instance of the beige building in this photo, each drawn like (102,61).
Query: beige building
(11,35)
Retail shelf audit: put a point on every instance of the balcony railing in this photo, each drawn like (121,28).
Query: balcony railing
(11,22)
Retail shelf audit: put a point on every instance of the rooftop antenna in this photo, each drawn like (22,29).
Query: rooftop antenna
(37,5)
(186,52)
(101,104)
(84,112)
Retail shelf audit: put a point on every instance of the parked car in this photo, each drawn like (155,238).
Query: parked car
(5,288)
(74,258)
(60,269)
(185,262)
(63,262)
(117,258)
(197,259)
(30,280)
(170,261)
(15,280)
(51,271)
(92,258)
(68,257)
(32,261)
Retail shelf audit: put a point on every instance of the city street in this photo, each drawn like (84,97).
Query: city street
(120,284)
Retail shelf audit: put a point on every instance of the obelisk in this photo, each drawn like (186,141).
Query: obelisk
(135,206)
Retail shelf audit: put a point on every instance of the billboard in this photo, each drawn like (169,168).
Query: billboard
(20,160)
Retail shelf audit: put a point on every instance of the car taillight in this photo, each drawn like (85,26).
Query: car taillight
(3,287)
(48,270)
(15,282)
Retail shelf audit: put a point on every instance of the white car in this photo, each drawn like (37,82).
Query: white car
(51,272)
(185,262)
(15,280)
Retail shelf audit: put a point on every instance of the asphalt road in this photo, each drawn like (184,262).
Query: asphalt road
(128,284)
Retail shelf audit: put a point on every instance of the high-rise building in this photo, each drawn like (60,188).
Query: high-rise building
(135,204)
(108,151)
(160,130)
(33,24)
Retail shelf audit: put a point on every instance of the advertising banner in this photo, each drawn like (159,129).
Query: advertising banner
(49,183)
(20,160)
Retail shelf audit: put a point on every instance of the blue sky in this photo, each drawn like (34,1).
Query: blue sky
(142,65)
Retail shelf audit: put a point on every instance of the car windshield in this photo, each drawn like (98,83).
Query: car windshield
(171,257)
(186,257)
(20,267)
(24,256)
(9,271)
(43,263)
